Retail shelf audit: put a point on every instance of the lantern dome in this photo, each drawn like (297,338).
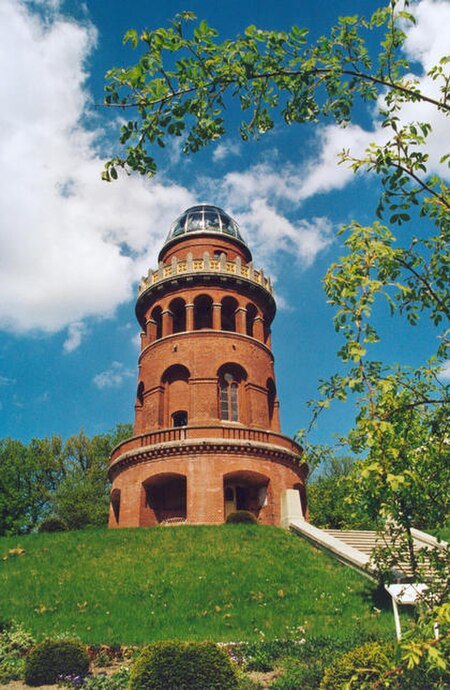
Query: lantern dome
(204,218)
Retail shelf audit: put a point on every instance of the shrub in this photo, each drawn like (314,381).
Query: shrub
(363,664)
(52,659)
(183,666)
(53,524)
(15,641)
(240,516)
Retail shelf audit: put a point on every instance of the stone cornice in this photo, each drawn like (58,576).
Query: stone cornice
(171,449)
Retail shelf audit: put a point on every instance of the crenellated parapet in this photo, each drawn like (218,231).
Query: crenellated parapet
(211,265)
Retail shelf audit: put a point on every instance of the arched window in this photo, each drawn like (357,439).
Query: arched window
(202,312)
(175,383)
(157,318)
(228,314)
(178,309)
(250,317)
(180,418)
(115,504)
(271,397)
(140,393)
(231,377)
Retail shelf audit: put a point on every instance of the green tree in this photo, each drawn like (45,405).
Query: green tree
(48,476)
(81,499)
(328,492)
(29,475)
(180,86)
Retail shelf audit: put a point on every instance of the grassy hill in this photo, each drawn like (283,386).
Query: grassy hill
(233,582)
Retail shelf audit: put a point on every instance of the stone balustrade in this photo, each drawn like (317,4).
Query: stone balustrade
(202,433)
(221,265)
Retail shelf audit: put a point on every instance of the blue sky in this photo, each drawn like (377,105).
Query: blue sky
(72,248)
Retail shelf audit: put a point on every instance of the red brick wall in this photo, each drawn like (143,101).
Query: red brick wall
(199,357)
(205,473)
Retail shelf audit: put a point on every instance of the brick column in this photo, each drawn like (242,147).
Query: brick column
(151,330)
(205,501)
(258,328)
(167,322)
(217,316)
(189,316)
(241,324)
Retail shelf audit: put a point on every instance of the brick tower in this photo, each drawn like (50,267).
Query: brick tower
(207,432)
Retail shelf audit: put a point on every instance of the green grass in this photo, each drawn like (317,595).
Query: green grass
(232,582)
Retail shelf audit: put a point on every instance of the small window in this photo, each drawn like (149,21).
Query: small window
(229,398)
(140,393)
(180,418)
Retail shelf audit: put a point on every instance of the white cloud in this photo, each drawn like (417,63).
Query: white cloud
(225,149)
(271,231)
(6,381)
(112,377)
(71,245)
(75,333)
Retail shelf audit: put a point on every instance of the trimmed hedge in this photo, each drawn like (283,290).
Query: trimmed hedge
(53,524)
(183,666)
(240,516)
(51,659)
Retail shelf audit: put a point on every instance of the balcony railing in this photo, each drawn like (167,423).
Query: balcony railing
(179,267)
(205,433)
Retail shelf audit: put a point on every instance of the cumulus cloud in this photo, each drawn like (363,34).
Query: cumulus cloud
(270,229)
(75,333)
(71,245)
(112,377)
(225,149)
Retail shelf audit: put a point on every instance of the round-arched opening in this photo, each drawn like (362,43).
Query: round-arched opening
(228,314)
(251,313)
(231,378)
(156,316)
(165,498)
(115,505)
(177,308)
(203,312)
(174,410)
(140,393)
(177,372)
(271,397)
(179,418)
(245,490)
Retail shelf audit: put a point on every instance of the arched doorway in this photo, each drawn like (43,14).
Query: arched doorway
(165,499)
(245,490)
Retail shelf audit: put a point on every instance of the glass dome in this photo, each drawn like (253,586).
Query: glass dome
(204,218)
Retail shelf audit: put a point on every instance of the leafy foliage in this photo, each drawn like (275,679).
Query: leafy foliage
(53,524)
(182,666)
(15,641)
(181,82)
(49,478)
(328,493)
(361,666)
(52,659)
